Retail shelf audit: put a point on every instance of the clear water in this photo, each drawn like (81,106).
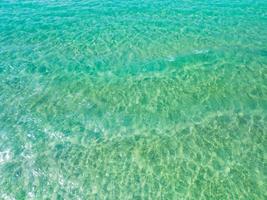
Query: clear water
(133,99)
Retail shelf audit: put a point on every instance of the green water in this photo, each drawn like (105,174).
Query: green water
(134,99)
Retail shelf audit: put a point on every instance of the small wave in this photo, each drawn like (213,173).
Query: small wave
(170,58)
(201,51)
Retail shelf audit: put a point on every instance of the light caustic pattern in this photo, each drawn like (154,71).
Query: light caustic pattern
(133,99)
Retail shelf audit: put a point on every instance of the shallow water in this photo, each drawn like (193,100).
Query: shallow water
(133,99)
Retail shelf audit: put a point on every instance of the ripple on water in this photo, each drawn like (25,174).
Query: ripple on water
(129,100)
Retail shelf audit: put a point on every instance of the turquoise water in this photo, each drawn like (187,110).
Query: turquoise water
(157,99)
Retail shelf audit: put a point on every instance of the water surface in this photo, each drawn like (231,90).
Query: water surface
(133,99)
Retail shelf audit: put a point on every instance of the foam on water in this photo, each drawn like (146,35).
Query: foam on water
(133,99)
(5,156)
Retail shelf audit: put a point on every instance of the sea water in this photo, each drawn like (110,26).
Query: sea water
(133,99)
